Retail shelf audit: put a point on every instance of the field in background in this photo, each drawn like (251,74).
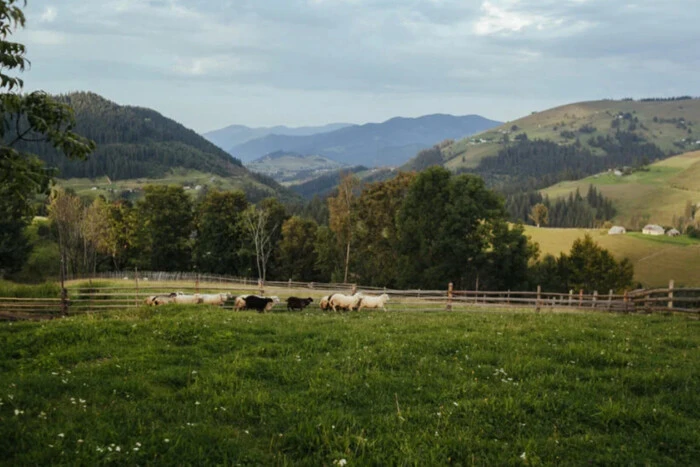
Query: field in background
(192,385)
(661,193)
(132,188)
(656,260)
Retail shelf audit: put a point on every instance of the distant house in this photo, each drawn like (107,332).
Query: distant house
(617,230)
(673,233)
(653,229)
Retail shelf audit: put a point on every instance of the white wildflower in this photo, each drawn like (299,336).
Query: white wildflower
(61,435)
(523,456)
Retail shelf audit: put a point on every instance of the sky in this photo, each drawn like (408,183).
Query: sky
(209,64)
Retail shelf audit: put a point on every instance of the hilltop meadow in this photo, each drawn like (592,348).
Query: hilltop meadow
(655,195)
(195,385)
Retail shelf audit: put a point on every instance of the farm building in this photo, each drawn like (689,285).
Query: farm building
(673,233)
(653,229)
(617,230)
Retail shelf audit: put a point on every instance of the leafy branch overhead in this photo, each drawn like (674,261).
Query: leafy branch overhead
(26,118)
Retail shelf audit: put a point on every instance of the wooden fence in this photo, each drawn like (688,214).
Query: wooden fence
(131,290)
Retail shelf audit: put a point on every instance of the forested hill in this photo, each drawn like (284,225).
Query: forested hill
(134,142)
(572,141)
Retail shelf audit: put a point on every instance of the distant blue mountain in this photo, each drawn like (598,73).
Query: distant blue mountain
(390,143)
(238,134)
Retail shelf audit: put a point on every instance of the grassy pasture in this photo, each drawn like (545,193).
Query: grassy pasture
(660,193)
(656,260)
(179,176)
(198,385)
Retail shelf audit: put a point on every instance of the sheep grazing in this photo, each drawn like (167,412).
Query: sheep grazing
(344,301)
(260,304)
(216,299)
(295,303)
(163,299)
(369,301)
(324,302)
(158,299)
(182,299)
(239,303)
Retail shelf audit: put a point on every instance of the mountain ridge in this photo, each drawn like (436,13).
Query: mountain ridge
(391,142)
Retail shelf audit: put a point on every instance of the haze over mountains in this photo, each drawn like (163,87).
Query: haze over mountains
(234,135)
(389,143)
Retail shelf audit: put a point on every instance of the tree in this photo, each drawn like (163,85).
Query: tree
(122,239)
(297,257)
(165,215)
(256,222)
(539,214)
(591,267)
(220,232)
(66,212)
(27,118)
(340,207)
(374,227)
(453,229)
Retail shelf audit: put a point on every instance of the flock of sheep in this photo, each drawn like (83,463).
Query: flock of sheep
(333,302)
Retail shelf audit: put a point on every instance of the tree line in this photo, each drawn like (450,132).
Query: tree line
(413,231)
(575,210)
(533,164)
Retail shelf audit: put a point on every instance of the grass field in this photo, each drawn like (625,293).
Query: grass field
(656,260)
(92,188)
(661,193)
(196,386)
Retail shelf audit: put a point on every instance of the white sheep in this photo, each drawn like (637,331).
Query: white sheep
(217,299)
(183,299)
(344,301)
(370,301)
(324,303)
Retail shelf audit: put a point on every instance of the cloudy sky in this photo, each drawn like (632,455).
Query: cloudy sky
(210,63)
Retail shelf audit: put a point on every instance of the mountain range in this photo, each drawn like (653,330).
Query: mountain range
(234,135)
(389,143)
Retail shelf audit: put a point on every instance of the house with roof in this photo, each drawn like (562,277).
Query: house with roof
(653,229)
(617,230)
(673,233)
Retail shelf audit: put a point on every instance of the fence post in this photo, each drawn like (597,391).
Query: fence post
(610,294)
(595,299)
(508,297)
(353,291)
(580,297)
(260,287)
(626,300)
(289,284)
(670,293)
(64,292)
(539,296)
(196,282)
(449,296)
(571,297)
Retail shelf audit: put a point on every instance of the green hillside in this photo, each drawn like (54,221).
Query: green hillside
(655,196)
(137,146)
(655,259)
(256,187)
(672,125)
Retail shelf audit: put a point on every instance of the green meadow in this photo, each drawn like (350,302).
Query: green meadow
(656,260)
(656,195)
(199,386)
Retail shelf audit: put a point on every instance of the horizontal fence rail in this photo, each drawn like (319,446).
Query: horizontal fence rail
(130,290)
